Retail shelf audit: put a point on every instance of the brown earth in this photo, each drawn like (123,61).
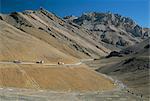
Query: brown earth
(53,78)
(38,36)
(17,45)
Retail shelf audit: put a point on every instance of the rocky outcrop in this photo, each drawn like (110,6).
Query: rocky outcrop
(111,28)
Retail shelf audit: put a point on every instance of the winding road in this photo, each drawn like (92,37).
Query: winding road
(47,64)
(121,93)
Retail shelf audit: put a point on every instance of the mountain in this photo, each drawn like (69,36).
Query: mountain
(69,49)
(129,62)
(56,32)
(141,48)
(18,45)
(111,29)
(31,36)
(90,36)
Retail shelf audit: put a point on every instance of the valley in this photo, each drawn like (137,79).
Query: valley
(93,57)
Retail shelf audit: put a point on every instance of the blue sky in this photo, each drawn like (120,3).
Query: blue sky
(136,9)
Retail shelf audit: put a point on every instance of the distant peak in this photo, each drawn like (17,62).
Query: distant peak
(106,16)
(70,17)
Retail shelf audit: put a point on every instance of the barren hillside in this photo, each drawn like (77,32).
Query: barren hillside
(132,69)
(114,31)
(43,52)
(65,37)
(31,36)
(18,45)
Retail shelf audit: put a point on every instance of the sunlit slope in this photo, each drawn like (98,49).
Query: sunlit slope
(53,78)
(65,37)
(18,45)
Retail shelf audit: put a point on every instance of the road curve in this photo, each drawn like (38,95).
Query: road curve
(47,64)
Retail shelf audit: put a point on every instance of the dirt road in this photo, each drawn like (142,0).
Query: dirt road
(47,64)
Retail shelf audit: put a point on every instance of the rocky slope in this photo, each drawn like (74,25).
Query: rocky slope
(113,30)
(90,36)
(141,48)
(132,69)
(45,26)
(31,36)
(18,45)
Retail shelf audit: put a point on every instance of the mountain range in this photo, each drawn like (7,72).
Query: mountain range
(111,29)
(40,50)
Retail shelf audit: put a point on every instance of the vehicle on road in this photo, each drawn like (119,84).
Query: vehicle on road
(16,61)
(61,63)
(40,62)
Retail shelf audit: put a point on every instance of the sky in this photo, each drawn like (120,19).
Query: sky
(138,10)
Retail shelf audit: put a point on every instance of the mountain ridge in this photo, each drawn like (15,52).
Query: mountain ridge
(53,30)
(110,28)
(70,36)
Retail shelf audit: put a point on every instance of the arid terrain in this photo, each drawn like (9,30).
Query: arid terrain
(95,57)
